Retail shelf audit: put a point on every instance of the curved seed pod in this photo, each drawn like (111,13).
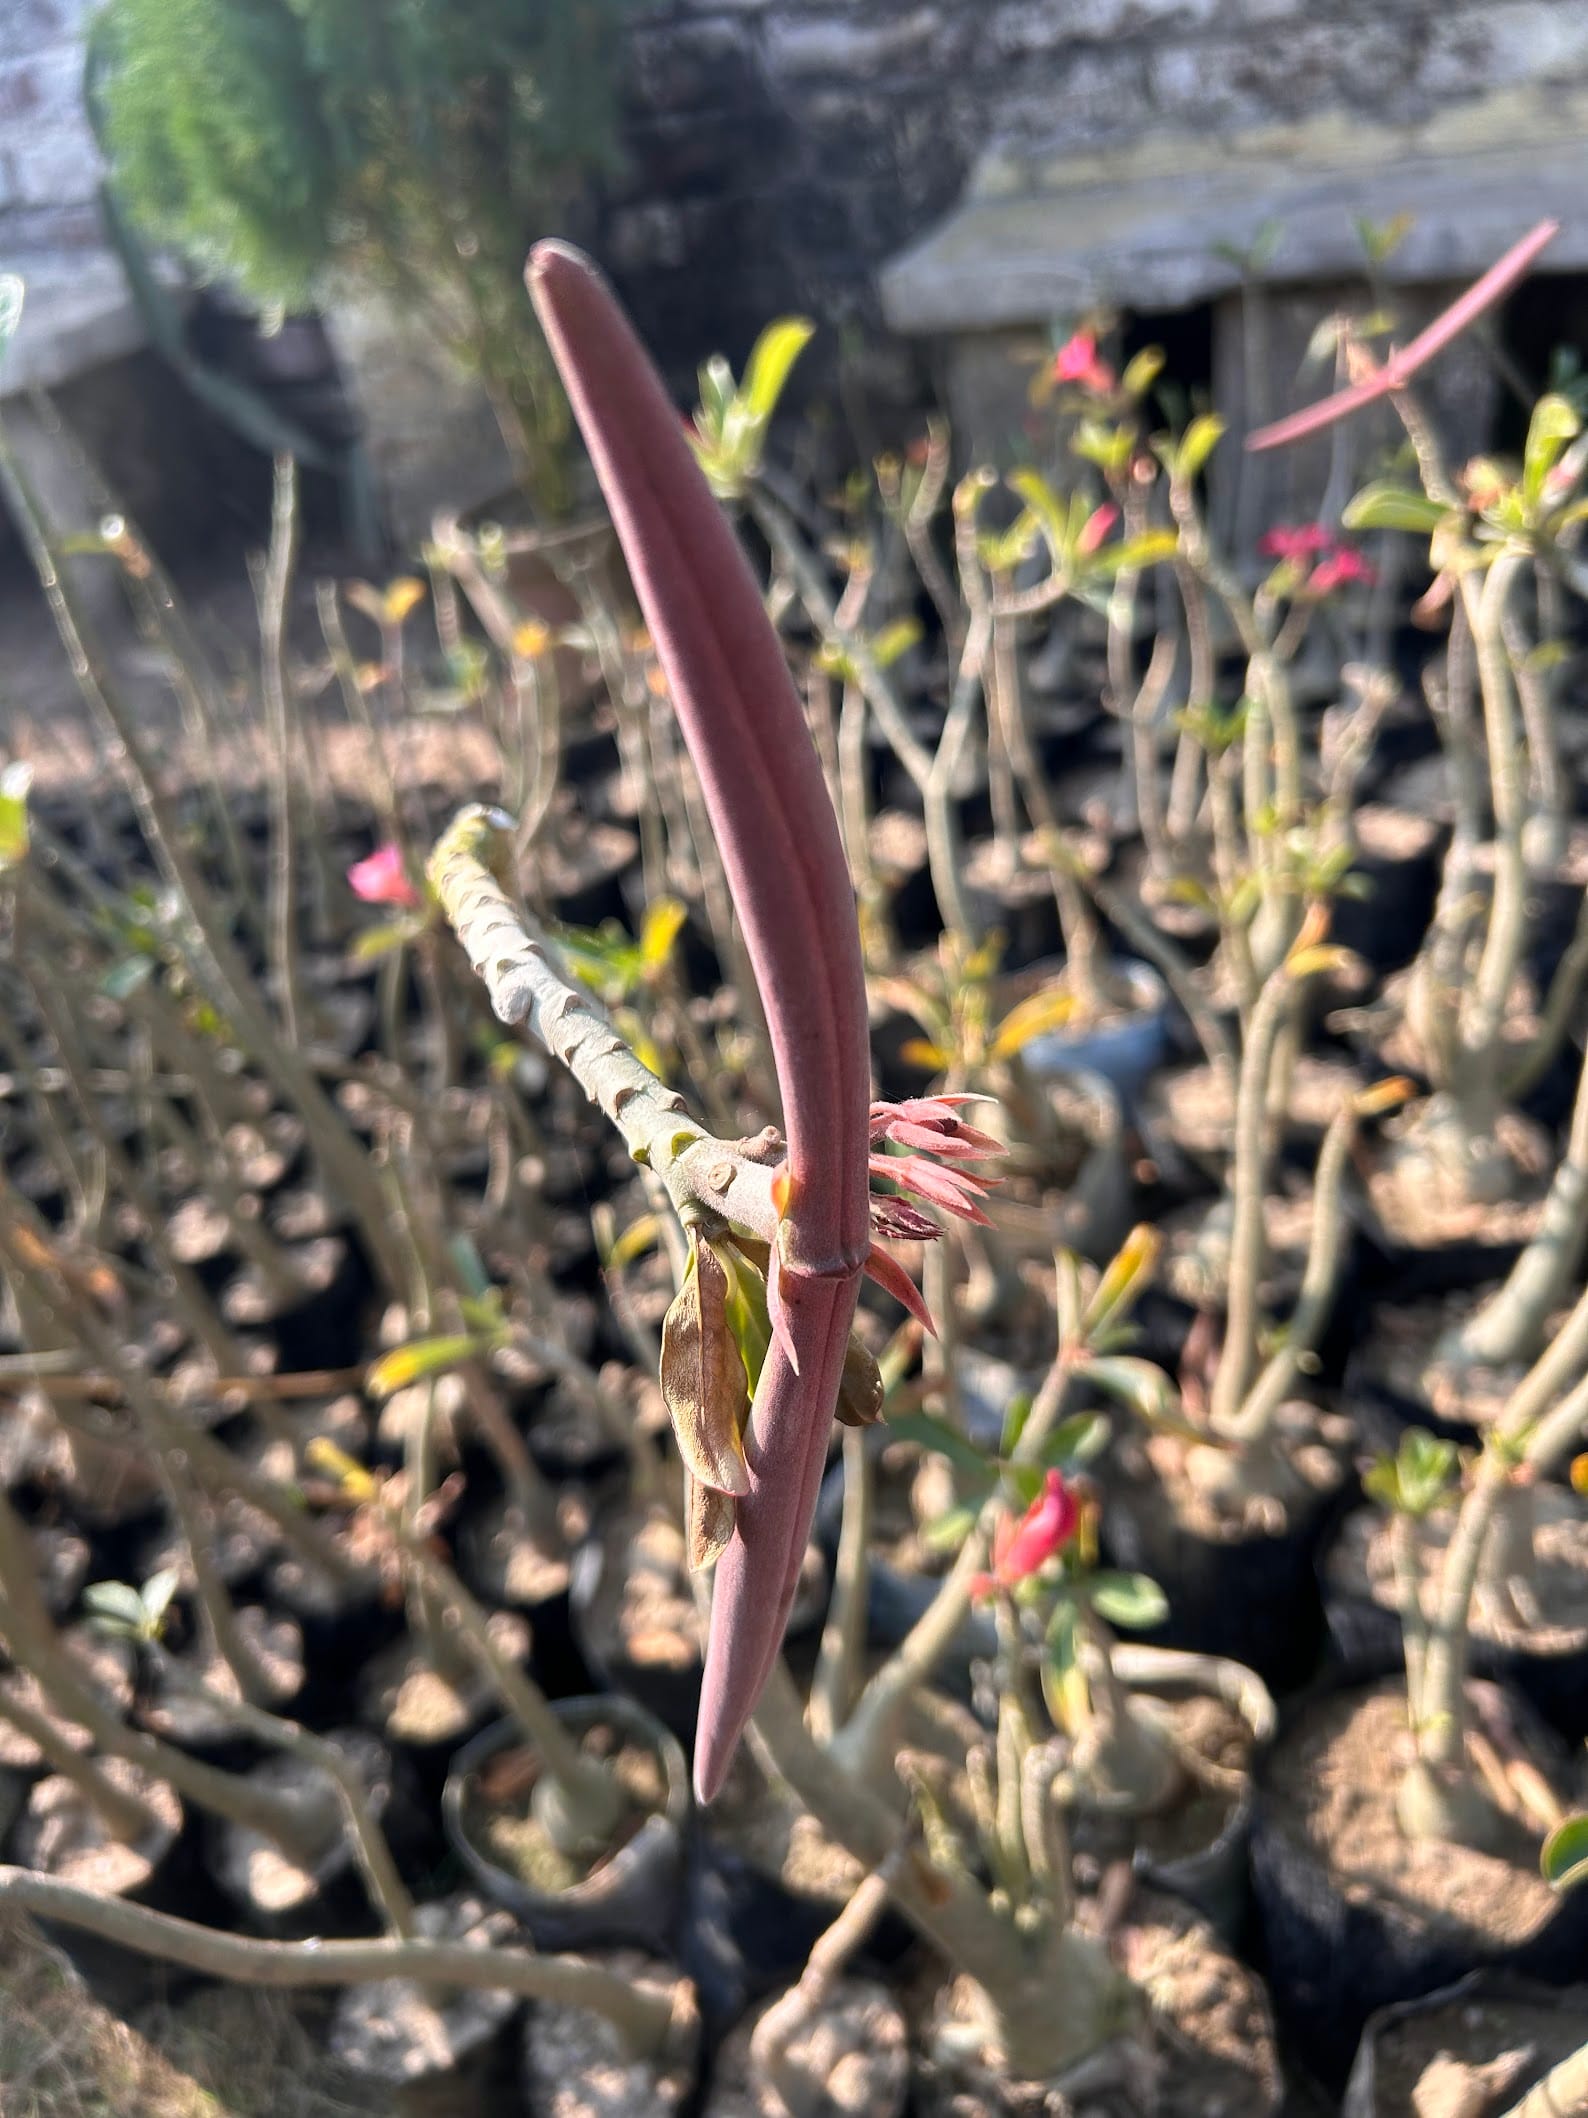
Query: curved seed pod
(786,869)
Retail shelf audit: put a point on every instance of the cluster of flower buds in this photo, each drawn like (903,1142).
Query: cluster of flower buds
(937,1143)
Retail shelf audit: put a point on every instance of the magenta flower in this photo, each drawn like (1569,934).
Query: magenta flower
(784,859)
(381,879)
(1297,542)
(1338,568)
(1023,1545)
(1078,360)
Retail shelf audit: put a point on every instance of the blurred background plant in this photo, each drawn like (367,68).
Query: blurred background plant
(289,145)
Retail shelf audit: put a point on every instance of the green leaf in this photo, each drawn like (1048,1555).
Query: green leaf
(660,928)
(894,640)
(716,393)
(1015,1423)
(419,1358)
(1076,1441)
(116,1603)
(1198,442)
(15,781)
(1552,425)
(469,1266)
(373,943)
(1124,1280)
(1151,548)
(930,1432)
(746,1310)
(772,358)
(1563,1862)
(1142,371)
(1109,447)
(1034,1017)
(1386,506)
(1064,1686)
(1133,1602)
(158,1591)
(1050,511)
(946,1533)
(1143,1388)
(1380,239)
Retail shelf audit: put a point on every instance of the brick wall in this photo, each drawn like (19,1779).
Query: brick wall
(48,169)
(781,149)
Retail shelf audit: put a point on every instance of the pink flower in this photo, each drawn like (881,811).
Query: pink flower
(929,1126)
(382,879)
(1338,568)
(1077,361)
(1023,1545)
(1096,528)
(1297,542)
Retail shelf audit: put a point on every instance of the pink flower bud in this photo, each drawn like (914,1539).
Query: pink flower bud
(1023,1545)
(381,879)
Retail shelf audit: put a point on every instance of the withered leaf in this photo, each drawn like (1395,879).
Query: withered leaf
(708,1524)
(860,1392)
(703,1382)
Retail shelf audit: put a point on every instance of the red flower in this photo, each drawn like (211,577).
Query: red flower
(1339,567)
(1296,541)
(1023,1545)
(382,879)
(1077,361)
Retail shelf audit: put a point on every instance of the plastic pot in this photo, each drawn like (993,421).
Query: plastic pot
(1253,1600)
(635,1895)
(1365,1636)
(1336,1953)
(1496,2012)
(1126,1052)
(1213,1880)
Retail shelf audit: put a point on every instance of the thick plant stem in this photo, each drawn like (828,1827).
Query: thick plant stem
(942,835)
(1538,1443)
(1054,1993)
(1510,1325)
(643,2018)
(1320,1277)
(865,1743)
(1483,1015)
(830,1953)
(516,965)
(123,1814)
(838,1667)
(275,589)
(1249,1185)
(792,552)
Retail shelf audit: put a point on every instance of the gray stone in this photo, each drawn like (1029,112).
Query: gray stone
(1494,46)
(1027,27)
(836,44)
(1152,226)
(77,314)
